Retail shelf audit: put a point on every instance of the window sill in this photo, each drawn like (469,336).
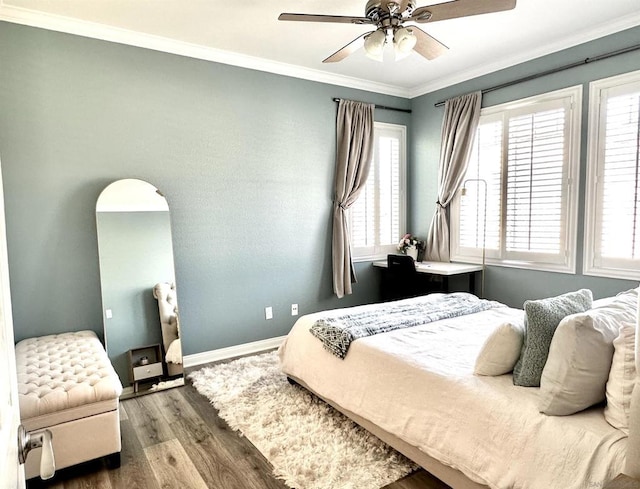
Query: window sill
(612,273)
(523,265)
(365,259)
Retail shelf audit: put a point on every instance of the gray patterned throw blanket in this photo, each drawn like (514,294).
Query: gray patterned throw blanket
(337,332)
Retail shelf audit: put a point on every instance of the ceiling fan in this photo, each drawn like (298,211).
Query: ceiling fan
(389,17)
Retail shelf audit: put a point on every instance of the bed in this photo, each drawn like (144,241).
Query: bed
(415,388)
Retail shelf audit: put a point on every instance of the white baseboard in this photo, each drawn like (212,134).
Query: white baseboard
(232,351)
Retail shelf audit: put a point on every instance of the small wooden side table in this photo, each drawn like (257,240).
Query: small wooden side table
(145,362)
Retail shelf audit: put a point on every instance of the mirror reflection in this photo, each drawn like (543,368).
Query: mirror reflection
(137,276)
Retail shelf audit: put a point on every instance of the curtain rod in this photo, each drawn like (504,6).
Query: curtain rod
(383,107)
(556,70)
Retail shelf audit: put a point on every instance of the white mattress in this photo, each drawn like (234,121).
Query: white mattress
(417,383)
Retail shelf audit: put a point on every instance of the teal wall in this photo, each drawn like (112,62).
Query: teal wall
(246,162)
(244,158)
(511,285)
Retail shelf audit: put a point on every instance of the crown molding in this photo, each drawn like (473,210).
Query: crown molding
(18,15)
(31,18)
(564,43)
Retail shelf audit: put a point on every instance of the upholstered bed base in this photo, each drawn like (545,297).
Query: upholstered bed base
(457,479)
(448,475)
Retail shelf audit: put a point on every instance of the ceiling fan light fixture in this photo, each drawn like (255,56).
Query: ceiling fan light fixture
(374,44)
(404,40)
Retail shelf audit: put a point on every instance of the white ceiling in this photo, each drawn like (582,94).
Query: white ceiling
(248,34)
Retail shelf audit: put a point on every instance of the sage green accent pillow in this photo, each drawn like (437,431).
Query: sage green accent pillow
(541,320)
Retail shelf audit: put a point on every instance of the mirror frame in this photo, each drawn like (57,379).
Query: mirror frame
(137,280)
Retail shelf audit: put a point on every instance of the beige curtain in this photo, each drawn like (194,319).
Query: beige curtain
(461,116)
(354,149)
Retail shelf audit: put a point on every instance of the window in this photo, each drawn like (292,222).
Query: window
(612,217)
(377,218)
(525,162)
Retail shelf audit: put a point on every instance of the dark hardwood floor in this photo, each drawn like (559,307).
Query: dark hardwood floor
(175,439)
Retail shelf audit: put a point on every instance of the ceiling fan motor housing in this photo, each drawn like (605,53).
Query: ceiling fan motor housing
(390,13)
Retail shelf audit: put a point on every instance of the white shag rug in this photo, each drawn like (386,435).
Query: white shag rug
(309,444)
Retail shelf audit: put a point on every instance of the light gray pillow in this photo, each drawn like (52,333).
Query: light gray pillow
(541,320)
(580,356)
(500,351)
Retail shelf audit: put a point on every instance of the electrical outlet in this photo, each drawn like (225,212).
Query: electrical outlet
(108,313)
(294,309)
(268,312)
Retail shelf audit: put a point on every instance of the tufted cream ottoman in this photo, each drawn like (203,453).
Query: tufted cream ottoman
(67,384)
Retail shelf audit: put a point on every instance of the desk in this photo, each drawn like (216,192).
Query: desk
(443,269)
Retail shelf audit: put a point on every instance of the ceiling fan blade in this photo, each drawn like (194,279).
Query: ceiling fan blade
(459,8)
(341,19)
(345,51)
(428,46)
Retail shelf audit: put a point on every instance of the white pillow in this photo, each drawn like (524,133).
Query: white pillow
(500,351)
(580,356)
(621,379)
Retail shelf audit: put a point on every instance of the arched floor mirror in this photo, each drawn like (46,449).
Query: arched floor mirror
(137,278)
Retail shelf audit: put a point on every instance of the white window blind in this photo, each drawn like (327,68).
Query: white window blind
(535,182)
(483,174)
(524,159)
(613,212)
(377,217)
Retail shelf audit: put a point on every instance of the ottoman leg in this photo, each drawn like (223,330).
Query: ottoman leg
(113,460)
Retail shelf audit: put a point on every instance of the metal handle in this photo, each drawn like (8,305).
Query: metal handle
(27,441)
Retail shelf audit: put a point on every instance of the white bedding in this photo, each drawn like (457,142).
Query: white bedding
(174,352)
(418,384)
